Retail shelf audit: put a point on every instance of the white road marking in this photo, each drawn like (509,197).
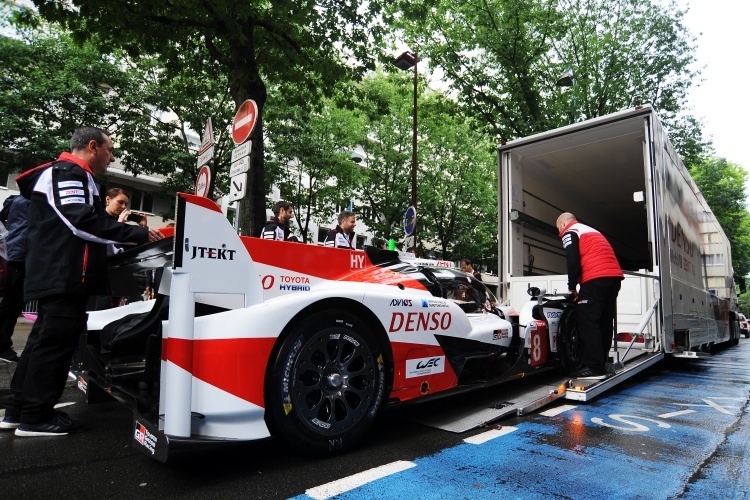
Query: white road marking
(552,412)
(676,413)
(345,484)
(489,435)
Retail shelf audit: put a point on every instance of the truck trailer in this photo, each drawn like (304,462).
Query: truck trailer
(620,174)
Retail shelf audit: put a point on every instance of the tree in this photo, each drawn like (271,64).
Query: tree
(310,158)
(457,196)
(49,86)
(385,186)
(312,43)
(722,184)
(504,57)
(458,199)
(158,116)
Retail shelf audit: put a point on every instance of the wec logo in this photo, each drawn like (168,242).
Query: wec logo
(425,366)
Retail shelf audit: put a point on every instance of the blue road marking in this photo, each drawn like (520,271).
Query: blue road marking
(698,454)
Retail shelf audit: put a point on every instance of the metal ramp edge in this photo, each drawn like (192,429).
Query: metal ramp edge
(502,402)
(634,367)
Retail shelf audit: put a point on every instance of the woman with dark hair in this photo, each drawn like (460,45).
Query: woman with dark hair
(116,205)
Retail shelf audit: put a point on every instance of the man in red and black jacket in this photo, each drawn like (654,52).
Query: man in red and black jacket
(592,264)
(342,236)
(68,238)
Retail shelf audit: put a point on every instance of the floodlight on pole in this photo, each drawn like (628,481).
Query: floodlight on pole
(568,79)
(404,62)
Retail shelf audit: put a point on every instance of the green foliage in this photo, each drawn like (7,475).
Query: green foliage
(48,87)
(456,177)
(503,59)
(309,157)
(458,180)
(250,43)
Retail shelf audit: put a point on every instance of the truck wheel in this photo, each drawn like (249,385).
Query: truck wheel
(326,384)
(569,343)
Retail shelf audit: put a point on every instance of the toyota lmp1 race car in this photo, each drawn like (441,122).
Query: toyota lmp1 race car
(250,337)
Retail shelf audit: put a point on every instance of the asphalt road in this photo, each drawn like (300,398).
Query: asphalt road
(678,431)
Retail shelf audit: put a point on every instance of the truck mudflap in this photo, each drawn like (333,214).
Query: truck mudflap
(579,390)
(148,439)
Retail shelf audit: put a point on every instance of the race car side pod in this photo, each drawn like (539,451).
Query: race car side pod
(208,257)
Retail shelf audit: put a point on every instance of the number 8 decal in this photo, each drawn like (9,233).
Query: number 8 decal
(538,354)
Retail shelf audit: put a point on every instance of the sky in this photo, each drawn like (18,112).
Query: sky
(722,100)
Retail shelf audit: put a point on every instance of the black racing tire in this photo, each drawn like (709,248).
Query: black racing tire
(326,384)
(569,344)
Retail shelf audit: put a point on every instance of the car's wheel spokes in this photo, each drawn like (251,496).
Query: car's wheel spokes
(334,379)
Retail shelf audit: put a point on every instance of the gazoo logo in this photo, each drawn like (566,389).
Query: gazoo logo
(401,302)
(209,252)
(419,321)
(425,366)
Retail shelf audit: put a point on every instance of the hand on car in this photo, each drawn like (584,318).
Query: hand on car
(154,235)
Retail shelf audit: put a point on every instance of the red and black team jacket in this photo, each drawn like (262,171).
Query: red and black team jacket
(69,230)
(589,255)
(337,238)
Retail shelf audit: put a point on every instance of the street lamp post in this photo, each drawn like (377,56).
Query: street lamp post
(568,79)
(405,62)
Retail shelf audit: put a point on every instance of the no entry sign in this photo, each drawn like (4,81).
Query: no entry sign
(244,121)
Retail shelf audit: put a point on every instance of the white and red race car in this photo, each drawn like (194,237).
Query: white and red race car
(249,338)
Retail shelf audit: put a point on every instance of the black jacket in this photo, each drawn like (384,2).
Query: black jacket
(69,230)
(337,238)
(275,230)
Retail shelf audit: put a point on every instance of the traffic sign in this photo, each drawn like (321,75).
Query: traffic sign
(410,221)
(207,140)
(244,121)
(241,150)
(237,187)
(203,182)
(240,166)
(205,156)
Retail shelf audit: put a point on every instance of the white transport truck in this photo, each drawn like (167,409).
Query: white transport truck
(621,175)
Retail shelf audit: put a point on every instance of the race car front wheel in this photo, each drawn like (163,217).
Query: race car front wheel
(326,384)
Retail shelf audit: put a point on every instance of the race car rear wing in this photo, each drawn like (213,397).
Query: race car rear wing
(204,245)
(205,256)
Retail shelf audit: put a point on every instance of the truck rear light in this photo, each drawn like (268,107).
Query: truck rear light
(628,337)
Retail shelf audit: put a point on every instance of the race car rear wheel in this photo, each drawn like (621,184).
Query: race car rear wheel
(326,384)
(569,344)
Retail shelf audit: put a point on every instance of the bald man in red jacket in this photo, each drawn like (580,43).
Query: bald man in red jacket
(592,264)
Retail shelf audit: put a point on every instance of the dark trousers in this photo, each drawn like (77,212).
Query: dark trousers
(42,371)
(12,304)
(595,315)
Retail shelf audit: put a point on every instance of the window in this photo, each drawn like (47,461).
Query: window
(141,200)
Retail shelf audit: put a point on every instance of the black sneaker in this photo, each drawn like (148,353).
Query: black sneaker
(10,421)
(588,374)
(9,356)
(60,425)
